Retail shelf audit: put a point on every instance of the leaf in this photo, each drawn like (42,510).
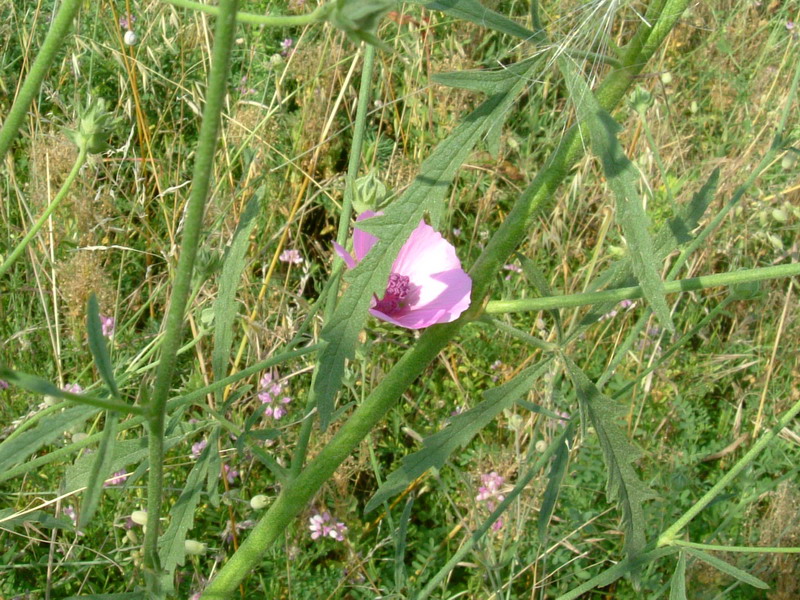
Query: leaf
(619,454)
(45,388)
(225,306)
(42,518)
(17,448)
(437,448)
(400,544)
(677,583)
(425,194)
(475,12)
(486,81)
(98,347)
(622,179)
(122,596)
(555,476)
(727,568)
(171,544)
(101,466)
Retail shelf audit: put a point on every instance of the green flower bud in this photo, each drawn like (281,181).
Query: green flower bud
(259,502)
(369,193)
(194,548)
(641,100)
(94,128)
(359,19)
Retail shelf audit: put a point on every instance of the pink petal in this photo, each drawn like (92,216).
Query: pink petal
(363,241)
(345,256)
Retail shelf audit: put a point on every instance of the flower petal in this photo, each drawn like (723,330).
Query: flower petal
(345,256)
(363,241)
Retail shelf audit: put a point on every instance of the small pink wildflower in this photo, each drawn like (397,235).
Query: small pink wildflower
(291,256)
(492,482)
(198,447)
(271,394)
(427,284)
(286,46)
(117,478)
(70,512)
(107,324)
(319,527)
(126,22)
(790,25)
(513,268)
(73,388)
(3,384)
(230,473)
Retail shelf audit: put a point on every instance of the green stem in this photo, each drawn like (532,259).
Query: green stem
(668,537)
(62,193)
(359,127)
(293,497)
(203,167)
(55,37)
(748,549)
(628,293)
(318,14)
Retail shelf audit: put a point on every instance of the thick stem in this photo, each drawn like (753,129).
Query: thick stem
(203,167)
(53,41)
(62,193)
(318,14)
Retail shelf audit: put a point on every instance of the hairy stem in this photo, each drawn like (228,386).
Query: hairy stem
(318,14)
(203,166)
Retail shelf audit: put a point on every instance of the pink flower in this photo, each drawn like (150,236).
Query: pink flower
(230,473)
(291,256)
(319,527)
(198,447)
(427,284)
(492,482)
(73,388)
(117,478)
(3,384)
(107,324)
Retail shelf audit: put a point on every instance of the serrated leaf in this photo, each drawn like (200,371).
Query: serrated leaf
(555,477)
(17,448)
(726,568)
(475,12)
(101,466)
(171,543)
(622,484)
(623,180)
(393,229)
(675,233)
(225,306)
(437,448)
(98,347)
(677,583)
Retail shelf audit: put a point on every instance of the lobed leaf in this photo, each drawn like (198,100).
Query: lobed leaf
(393,228)
(622,179)
(437,448)
(622,483)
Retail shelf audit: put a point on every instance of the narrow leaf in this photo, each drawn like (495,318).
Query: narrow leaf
(623,180)
(677,583)
(43,519)
(171,544)
(487,81)
(225,306)
(425,194)
(122,596)
(16,449)
(555,477)
(475,12)
(727,568)
(437,448)
(623,484)
(98,347)
(101,467)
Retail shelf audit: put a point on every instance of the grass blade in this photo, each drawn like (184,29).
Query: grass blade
(677,583)
(727,568)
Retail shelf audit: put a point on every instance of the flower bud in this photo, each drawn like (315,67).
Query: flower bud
(194,548)
(94,128)
(359,19)
(259,502)
(139,517)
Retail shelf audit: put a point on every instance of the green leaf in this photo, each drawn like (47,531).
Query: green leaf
(101,467)
(171,548)
(122,596)
(437,448)
(98,347)
(43,519)
(17,448)
(727,568)
(619,454)
(393,228)
(486,81)
(555,477)
(45,388)
(475,12)
(677,583)
(225,307)
(622,178)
